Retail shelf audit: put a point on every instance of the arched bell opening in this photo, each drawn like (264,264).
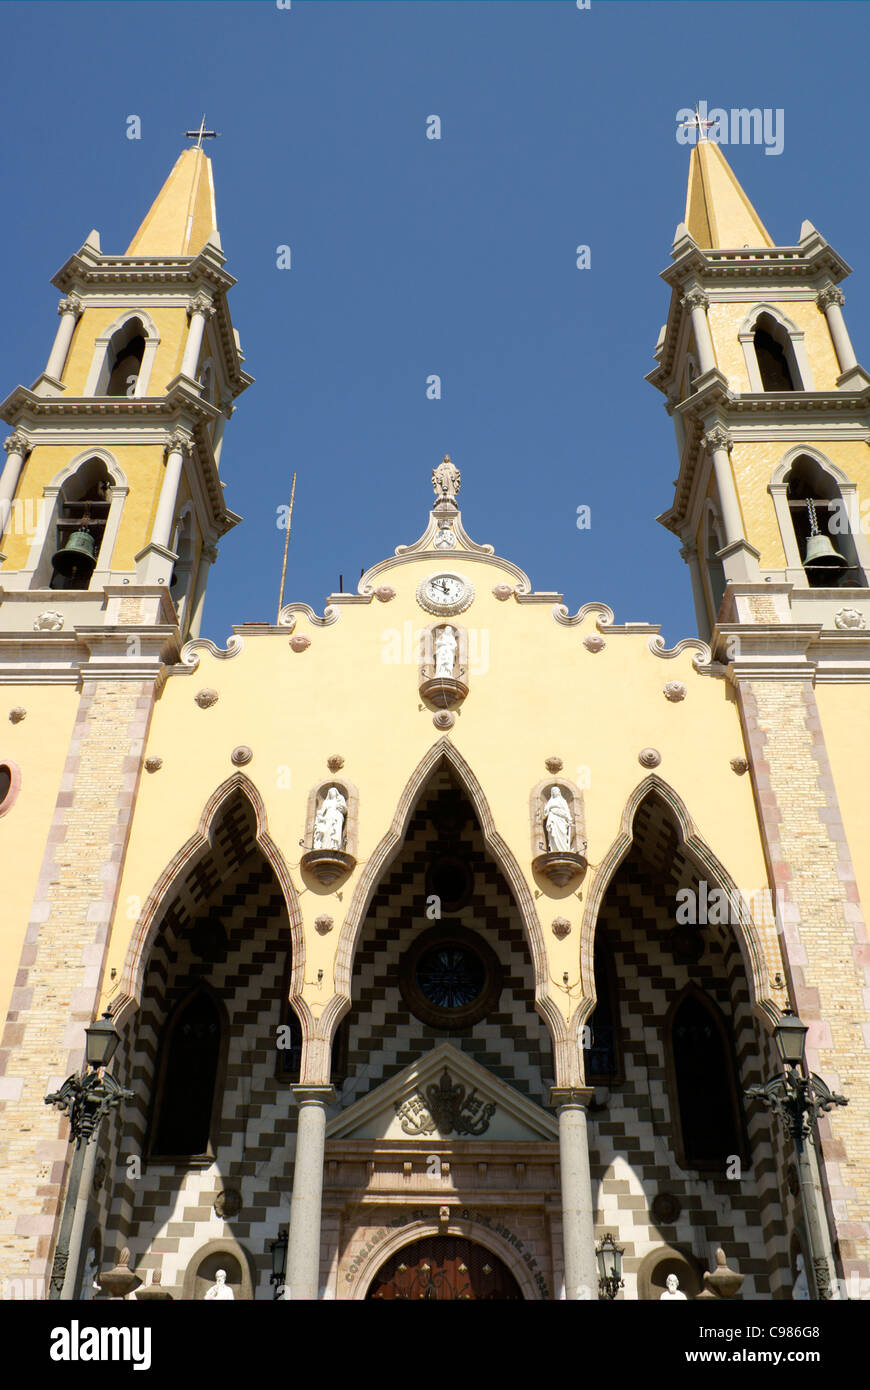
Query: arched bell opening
(81,513)
(822,526)
(670,1046)
(211,1128)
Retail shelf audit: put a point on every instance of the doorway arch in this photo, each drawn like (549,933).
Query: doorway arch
(444,1267)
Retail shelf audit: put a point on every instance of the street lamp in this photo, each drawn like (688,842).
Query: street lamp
(86,1099)
(609,1257)
(798,1097)
(278,1250)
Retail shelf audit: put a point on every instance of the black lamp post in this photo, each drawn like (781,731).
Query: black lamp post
(609,1257)
(86,1099)
(798,1097)
(278,1250)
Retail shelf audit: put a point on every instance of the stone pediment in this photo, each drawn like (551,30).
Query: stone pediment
(444,1095)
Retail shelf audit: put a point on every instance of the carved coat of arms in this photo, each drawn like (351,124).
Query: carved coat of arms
(449,1108)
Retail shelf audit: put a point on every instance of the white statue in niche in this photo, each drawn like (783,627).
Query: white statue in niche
(558,821)
(329,821)
(220,1288)
(801,1288)
(90,1287)
(445,651)
(673,1289)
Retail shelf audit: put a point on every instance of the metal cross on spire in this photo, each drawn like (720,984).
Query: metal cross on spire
(696,123)
(201,134)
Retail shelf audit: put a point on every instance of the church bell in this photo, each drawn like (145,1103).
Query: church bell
(820,550)
(78,556)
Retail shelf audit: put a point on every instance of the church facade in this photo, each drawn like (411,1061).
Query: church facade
(429,979)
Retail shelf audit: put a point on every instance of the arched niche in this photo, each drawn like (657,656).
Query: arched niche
(653,1273)
(714,570)
(224,1254)
(443,670)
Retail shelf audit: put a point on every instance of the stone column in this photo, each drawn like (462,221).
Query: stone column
(16,447)
(689,552)
(717,441)
(303,1250)
(830,300)
(69,310)
(198,311)
(578,1227)
(177,447)
(697,304)
(208,555)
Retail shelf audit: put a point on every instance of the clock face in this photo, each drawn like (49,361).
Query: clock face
(445,593)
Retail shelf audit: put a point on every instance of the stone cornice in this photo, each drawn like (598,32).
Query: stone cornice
(87,271)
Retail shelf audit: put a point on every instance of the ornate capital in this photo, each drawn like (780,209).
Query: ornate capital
(717,438)
(70,305)
(179,442)
(16,443)
(200,304)
(695,299)
(830,294)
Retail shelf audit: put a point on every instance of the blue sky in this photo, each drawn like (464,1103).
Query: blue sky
(414,256)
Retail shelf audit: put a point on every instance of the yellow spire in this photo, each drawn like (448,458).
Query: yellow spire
(182,216)
(718,212)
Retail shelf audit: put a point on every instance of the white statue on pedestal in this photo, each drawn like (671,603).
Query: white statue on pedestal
(329,821)
(220,1288)
(801,1288)
(558,821)
(673,1289)
(445,651)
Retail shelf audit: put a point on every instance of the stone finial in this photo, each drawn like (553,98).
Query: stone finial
(120,1281)
(723,1282)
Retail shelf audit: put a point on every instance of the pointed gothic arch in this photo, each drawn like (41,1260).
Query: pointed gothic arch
(129,993)
(745,931)
(316,1054)
(708,1124)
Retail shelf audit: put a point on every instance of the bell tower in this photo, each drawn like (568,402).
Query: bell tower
(111,503)
(771,415)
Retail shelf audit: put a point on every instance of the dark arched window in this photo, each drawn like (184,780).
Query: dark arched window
(126,351)
(189,1073)
(773,363)
(715,568)
(704,1088)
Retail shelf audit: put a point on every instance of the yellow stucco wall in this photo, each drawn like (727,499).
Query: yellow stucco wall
(39,745)
(143,466)
(595,711)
